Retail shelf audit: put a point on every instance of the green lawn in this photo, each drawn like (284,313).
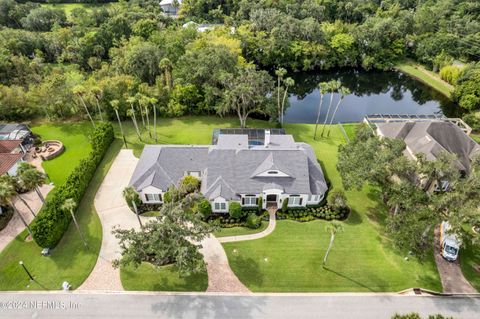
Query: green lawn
(469,258)
(362,258)
(69,261)
(184,130)
(476,137)
(69,7)
(238,231)
(428,77)
(150,278)
(74,137)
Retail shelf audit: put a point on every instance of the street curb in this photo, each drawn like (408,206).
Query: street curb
(220,294)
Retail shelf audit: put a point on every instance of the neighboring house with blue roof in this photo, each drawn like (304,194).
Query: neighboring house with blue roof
(235,168)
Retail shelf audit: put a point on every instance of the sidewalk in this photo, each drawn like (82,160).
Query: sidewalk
(272,223)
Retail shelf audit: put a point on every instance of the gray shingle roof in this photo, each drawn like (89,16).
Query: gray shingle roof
(433,138)
(228,172)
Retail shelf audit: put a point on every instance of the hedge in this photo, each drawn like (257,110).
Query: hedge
(309,213)
(52,222)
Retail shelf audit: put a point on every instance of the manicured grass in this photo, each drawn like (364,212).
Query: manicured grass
(238,231)
(469,258)
(74,137)
(362,259)
(166,278)
(69,261)
(428,77)
(153,213)
(476,137)
(184,130)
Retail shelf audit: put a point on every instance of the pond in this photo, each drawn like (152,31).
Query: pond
(373,92)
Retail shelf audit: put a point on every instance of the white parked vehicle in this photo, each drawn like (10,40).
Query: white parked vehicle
(450,243)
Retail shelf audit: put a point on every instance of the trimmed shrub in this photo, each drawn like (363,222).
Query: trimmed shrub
(260,204)
(235,210)
(253,221)
(52,222)
(285,205)
(5,216)
(337,200)
(205,208)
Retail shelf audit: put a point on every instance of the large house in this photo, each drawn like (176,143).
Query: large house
(240,165)
(431,138)
(170,7)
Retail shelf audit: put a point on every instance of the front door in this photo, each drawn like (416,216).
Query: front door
(271,198)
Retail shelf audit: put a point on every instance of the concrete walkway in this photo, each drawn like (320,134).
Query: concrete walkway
(272,223)
(112,210)
(15,226)
(220,276)
(451,274)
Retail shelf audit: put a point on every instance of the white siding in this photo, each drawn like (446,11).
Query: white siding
(219,205)
(151,190)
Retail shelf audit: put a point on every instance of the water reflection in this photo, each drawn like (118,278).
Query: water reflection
(372,92)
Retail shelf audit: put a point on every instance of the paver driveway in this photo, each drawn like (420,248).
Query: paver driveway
(112,210)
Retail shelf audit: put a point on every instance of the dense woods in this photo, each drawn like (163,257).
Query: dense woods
(56,64)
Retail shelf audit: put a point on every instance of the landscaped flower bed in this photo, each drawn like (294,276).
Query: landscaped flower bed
(251,218)
(314,212)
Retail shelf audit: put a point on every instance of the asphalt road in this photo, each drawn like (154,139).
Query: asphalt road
(125,305)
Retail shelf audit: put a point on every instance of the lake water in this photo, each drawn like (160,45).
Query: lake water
(374,92)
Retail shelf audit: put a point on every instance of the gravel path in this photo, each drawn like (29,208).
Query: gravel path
(112,210)
(15,226)
(271,227)
(451,274)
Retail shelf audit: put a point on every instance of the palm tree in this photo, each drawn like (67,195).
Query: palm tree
(70,205)
(144,101)
(138,96)
(289,82)
(333,86)
(115,105)
(322,87)
(97,95)
(280,73)
(333,228)
(343,92)
(130,196)
(153,101)
(167,67)
(16,183)
(131,113)
(79,91)
(7,193)
(30,178)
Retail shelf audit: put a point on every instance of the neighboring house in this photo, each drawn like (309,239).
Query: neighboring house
(11,154)
(240,165)
(432,138)
(9,163)
(170,7)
